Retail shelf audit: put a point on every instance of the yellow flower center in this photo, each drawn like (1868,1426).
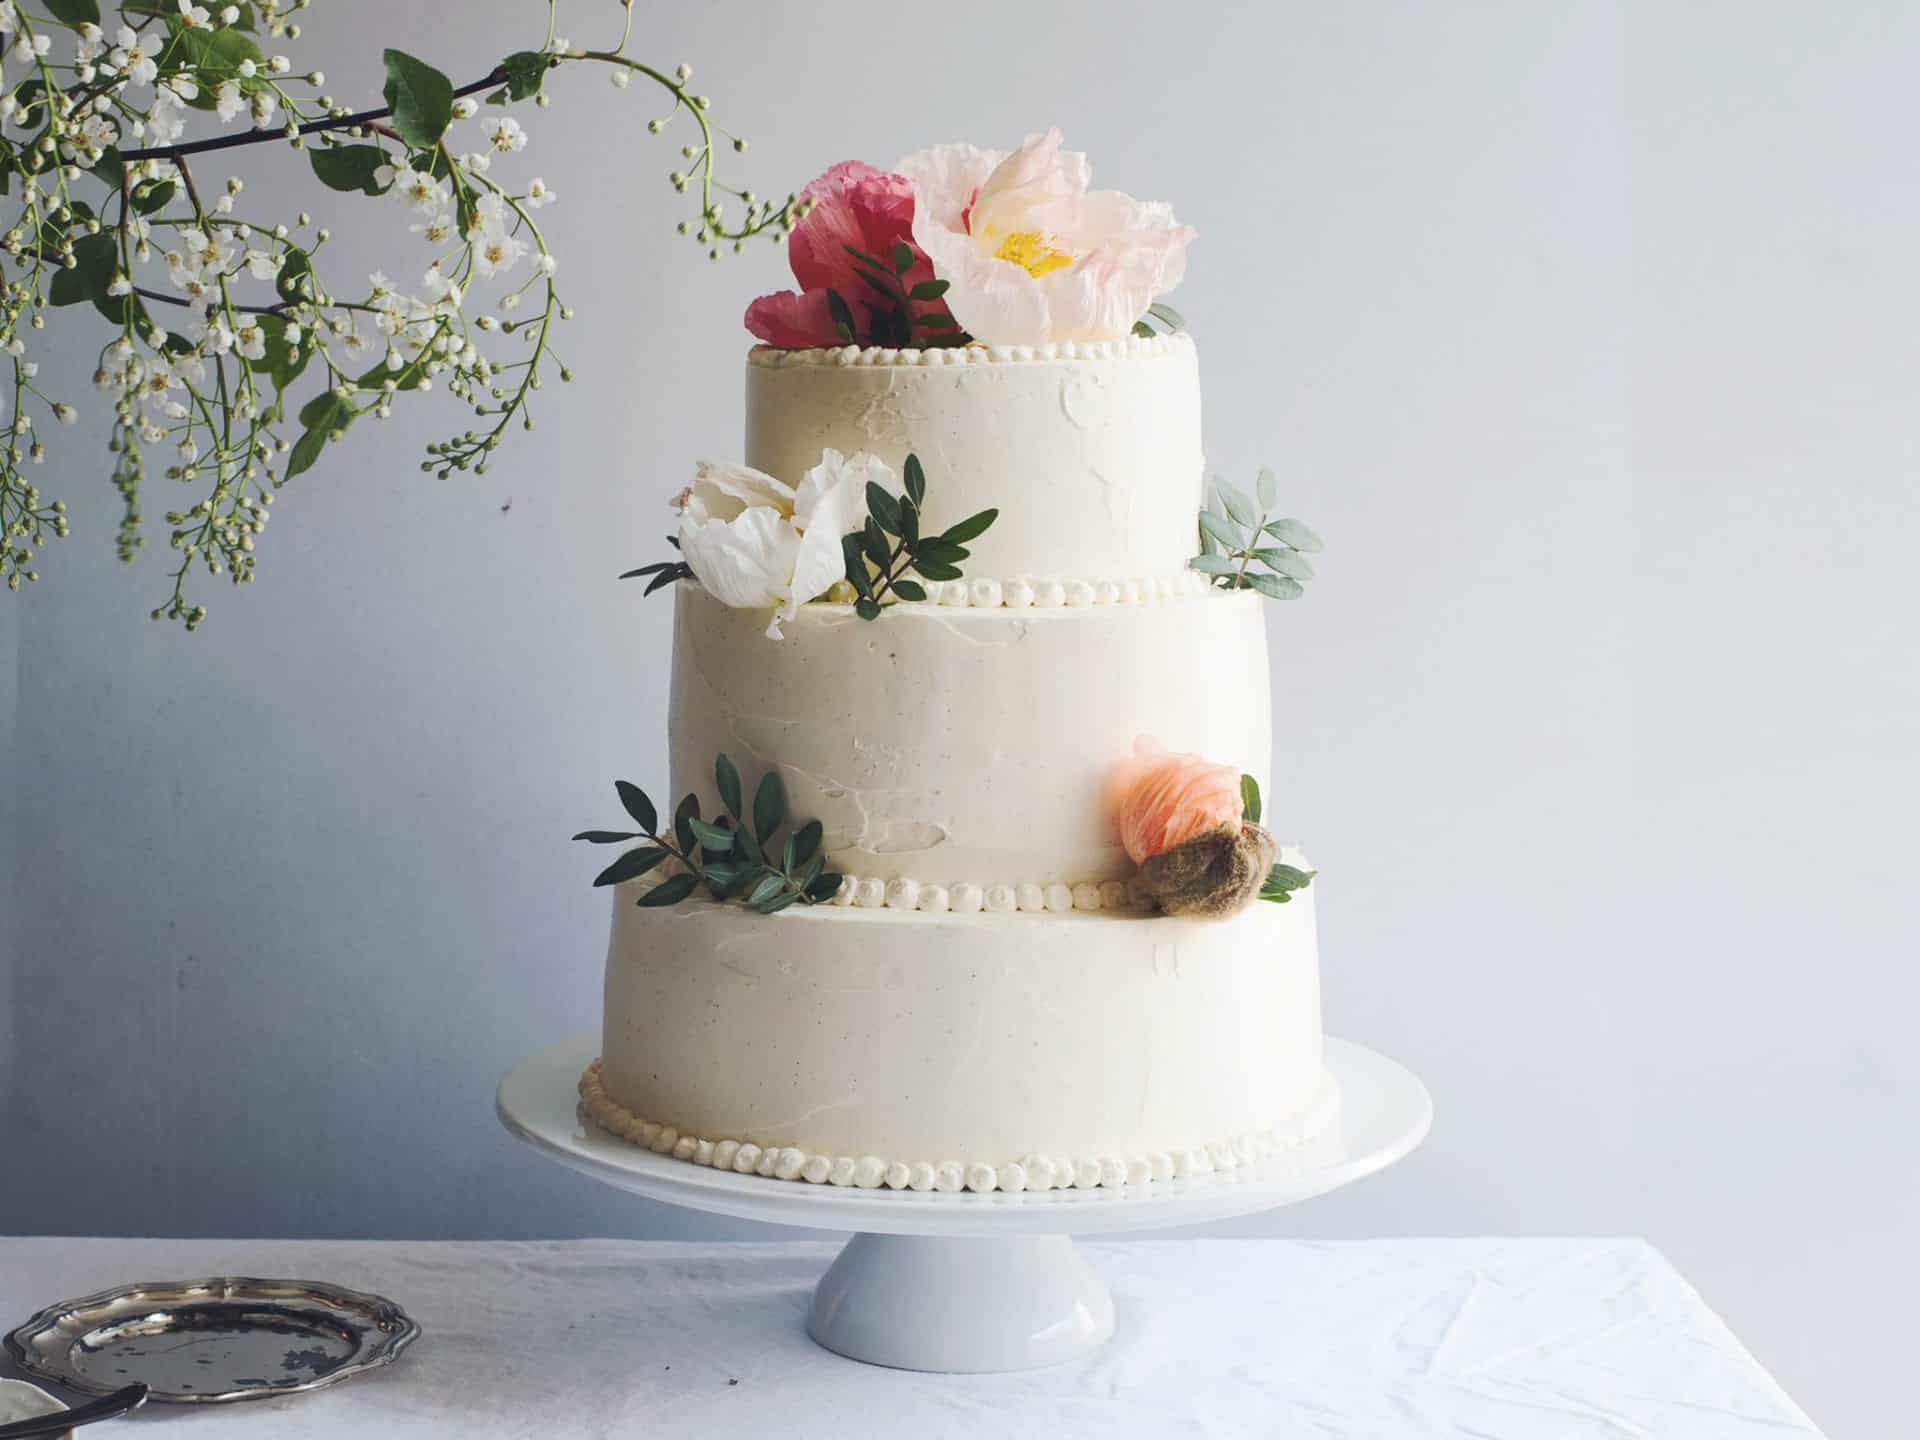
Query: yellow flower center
(1029,250)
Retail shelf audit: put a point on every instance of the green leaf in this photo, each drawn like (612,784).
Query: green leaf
(769,886)
(714,839)
(306,453)
(1290,563)
(1221,529)
(636,803)
(348,167)
(940,550)
(726,780)
(670,891)
(937,322)
(909,522)
(769,806)
(606,837)
(853,552)
(1167,315)
(1143,329)
(683,819)
(823,886)
(802,844)
(631,865)
(1276,587)
(842,316)
(875,541)
(928,290)
(317,412)
(151,199)
(970,528)
(902,257)
(1213,565)
(116,308)
(526,69)
(915,476)
(217,55)
(934,570)
(295,266)
(884,508)
(909,589)
(1282,881)
(1292,532)
(1250,799)
(74,12)
(778,903)
(722,875)
(746,847)
(96,257)
(282,362)
(1268,486)
(866,609)
(420,97)
(1239,504)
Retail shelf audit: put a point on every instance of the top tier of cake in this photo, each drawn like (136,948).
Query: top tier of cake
(1091,453)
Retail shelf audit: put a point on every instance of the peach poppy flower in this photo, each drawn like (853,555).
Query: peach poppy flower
(1159,798)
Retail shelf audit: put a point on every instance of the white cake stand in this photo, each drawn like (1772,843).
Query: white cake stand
(965,1282)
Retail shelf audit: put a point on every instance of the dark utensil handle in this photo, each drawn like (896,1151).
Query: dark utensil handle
(130,1397)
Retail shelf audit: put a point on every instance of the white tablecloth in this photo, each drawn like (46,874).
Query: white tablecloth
(1557,1339)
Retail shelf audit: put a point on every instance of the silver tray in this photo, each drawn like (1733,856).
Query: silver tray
(202,1342)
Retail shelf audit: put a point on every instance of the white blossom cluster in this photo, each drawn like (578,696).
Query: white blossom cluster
(230,353)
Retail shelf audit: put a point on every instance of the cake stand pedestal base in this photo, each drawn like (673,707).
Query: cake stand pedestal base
(964,1282)
(960,1304)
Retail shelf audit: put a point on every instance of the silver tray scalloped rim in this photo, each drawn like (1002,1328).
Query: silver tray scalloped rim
(202,1342)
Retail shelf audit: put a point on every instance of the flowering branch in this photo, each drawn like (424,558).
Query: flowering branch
(220,393)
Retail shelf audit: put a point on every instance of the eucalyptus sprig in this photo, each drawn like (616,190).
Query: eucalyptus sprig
(1282,880)
(1160,319)
(894,320)
(734,855)
(1243,548)
(882,551)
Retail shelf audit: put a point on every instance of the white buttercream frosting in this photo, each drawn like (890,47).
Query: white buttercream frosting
(1093,460)
(1034,1172)
(966,747)
(982,1037)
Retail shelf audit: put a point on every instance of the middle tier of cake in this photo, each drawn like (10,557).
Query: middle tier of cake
(969,745)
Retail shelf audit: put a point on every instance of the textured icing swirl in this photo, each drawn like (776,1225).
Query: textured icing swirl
(1028,1172)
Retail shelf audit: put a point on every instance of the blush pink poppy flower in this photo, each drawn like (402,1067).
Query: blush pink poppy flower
(1159,799)
(1033,256)
(852,207)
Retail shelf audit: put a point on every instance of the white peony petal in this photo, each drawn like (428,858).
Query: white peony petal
(831,502)
(720,491)
(746,562)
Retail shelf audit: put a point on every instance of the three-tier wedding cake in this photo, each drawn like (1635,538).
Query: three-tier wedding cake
(952,899)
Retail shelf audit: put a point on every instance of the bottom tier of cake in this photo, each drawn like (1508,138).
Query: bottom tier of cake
(946,1051)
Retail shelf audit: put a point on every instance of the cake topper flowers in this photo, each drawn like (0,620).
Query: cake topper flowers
(862,279)
(1029,253)
(1192,826)
(960,244)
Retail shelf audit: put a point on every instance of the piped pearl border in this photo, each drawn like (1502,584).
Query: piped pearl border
(1002,897)
(1131,347)
(1025,592)
(1034,1172)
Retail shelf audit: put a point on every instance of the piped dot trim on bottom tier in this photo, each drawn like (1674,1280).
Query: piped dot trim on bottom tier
(1034,1172)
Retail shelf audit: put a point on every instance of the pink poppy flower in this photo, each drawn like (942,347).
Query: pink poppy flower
(854,207)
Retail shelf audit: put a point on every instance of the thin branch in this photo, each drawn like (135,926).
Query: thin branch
(260,137)
(166,299)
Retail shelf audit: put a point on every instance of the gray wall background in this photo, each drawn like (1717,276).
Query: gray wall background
(1584,332)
